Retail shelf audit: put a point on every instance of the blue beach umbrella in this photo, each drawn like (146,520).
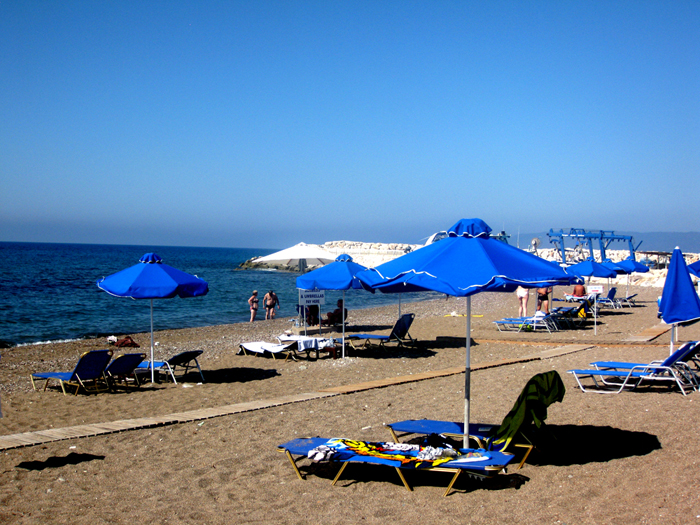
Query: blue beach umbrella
(694,269)
(631,266)
(679,301)
(152,279)
(591,268)
(338,275)
(466,262)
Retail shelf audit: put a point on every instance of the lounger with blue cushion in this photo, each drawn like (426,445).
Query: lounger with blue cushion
(629,300)
(184,360)
(121,369)
(529,410)
(399,333)
(477,463)
(88,373)
(609,300)
(528,324)
(612,377)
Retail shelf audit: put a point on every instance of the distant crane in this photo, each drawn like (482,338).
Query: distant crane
(584,239)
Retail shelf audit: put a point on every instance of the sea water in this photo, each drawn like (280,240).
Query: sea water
(48,292)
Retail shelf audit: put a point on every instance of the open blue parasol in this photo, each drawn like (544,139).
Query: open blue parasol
(466,262)
(338,275)
(152,279)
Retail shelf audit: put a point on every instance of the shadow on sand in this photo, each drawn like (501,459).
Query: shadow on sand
(564,445)
(58,461)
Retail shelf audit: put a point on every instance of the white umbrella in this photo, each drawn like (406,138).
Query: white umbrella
(312,254)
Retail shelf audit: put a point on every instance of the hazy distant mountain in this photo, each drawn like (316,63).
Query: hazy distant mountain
(688,242)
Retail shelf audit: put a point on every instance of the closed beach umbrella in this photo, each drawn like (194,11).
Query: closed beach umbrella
(338,275)
(466,262)
(152,279)
(679,301)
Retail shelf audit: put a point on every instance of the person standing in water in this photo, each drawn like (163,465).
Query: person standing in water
(270,301)
(253,303)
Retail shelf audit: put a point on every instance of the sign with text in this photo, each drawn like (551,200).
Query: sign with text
(595,288)
(307,297)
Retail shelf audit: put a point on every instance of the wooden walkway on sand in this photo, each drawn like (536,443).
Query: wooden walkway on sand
(96,429)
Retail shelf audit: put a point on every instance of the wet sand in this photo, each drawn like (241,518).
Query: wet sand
(618,459)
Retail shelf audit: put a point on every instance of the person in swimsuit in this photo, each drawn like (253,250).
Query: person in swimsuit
(523,295)
(270,301)
(253,302)
(543,299)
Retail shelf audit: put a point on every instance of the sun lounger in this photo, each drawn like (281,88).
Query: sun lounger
(262,348)
(612,377)
(304,345)
(183,360)
(399,333)
(629,300)
(477,463)
(122,368)
(528,413)
(88,373)
(609,300)
(527,324)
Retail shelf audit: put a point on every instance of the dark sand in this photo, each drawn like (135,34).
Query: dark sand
(628,458)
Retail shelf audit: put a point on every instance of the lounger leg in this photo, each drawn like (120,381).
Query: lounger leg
(405,483)
(394,436)
(337,476)
(294,465)
(449,487)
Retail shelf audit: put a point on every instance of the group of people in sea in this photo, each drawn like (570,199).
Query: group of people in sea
(270,302)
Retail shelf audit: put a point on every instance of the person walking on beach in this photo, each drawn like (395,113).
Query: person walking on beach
(270,301)
(523,295)
(253,302)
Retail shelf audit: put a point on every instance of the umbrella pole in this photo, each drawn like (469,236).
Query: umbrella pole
(467,373)
(152,373)
(673,336)
(342,313)
(595,314)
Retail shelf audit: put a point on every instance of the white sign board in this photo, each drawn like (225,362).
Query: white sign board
(595,288)
(307,297)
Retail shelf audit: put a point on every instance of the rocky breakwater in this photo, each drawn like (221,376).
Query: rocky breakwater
(368,254)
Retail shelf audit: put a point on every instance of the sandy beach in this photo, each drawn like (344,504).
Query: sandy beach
(621,458)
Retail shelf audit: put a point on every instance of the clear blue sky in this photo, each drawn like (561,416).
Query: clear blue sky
(265,123)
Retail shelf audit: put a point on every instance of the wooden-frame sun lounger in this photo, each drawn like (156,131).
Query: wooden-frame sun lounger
(477,463)
(88,373)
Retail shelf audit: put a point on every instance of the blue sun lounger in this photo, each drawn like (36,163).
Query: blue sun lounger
(530,408)
(399,333)
(122,368)
(183,360)
(620,375)
(527,324)
(88,373)
(477,463)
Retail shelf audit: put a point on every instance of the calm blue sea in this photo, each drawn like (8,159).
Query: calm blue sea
(48,291)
